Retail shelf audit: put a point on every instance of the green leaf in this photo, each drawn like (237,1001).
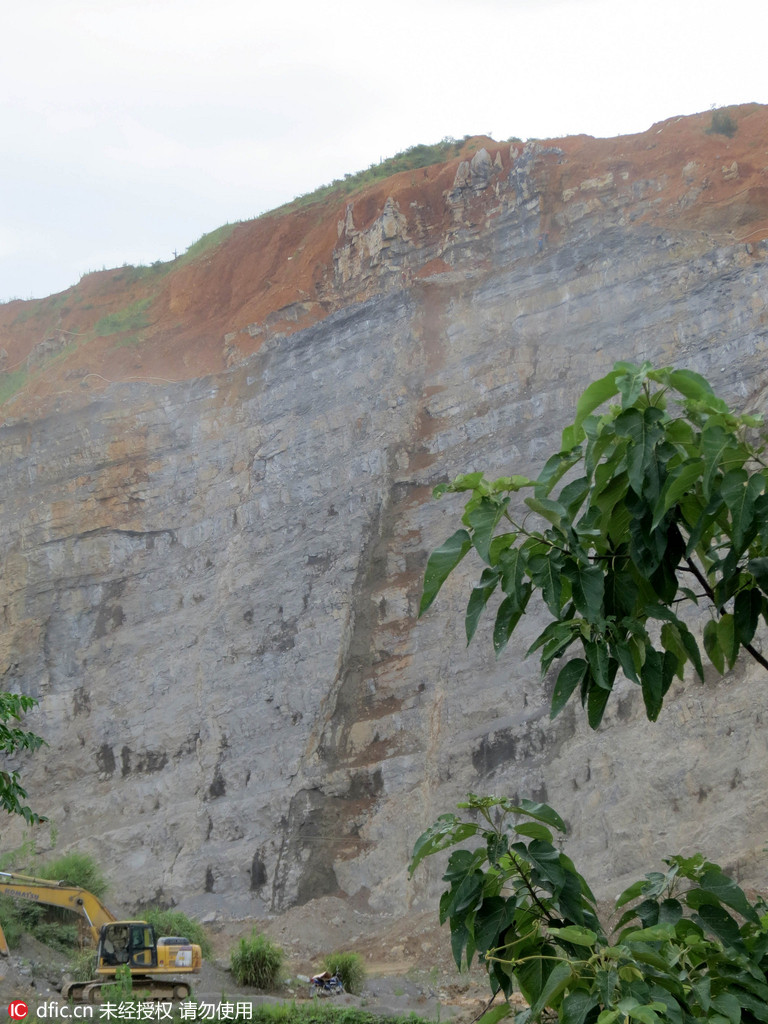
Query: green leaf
(643,432)
(555,469)
(672,641)
(459,939)
(728,638)
(539,812)
(715,443)
(550,510)
(553,987)
(620,594)
(599,660)
(530,975)
(544,570)
(691,648)
(509,614)
(630,893)
(630,381)
(598,392)
(511,565)
(644,1014)
(478,599)
(558,632)
(720,923)
(573,494)
(690,384)
(576,1006)
(655,679)
(510,483)
(492,919)
(466,482)
(441,564)
(746,612)
(670,911)
(728,1005)
(656,933)
(569,677)
(575,934)
(597,700)
(679,482)
(608,495)
(483,519)
(740,494)
(534,830)
(608,1016)
(446,831)
(723,888)
(587,587)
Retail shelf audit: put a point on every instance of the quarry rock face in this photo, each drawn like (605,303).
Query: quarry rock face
(211,585)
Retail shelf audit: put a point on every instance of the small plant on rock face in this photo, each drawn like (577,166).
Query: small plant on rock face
(349,967)
(257,962)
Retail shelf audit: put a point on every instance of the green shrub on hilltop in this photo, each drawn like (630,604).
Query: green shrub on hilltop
(411,159)
(723,123)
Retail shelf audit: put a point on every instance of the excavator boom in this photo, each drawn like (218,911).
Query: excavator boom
(57,894)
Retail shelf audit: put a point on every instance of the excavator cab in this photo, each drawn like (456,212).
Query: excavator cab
(126,942)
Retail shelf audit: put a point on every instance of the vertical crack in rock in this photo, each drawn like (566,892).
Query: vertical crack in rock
(322,824)
(360,723)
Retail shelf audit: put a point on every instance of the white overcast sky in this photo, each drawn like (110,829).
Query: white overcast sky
(132,127)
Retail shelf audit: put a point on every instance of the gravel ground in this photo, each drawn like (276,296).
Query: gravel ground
(408,964)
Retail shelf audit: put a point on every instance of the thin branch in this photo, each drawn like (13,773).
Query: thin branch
(758,657)
(486,1008)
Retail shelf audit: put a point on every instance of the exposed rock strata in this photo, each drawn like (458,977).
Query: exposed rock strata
(212,585)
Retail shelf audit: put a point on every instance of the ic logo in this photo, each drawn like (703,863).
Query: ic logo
(18,1010)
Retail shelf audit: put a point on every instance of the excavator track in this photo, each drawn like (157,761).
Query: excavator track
(153,990)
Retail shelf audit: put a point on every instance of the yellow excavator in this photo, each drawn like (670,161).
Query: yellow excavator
(118,942)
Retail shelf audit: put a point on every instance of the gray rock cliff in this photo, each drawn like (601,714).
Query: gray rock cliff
(212,586)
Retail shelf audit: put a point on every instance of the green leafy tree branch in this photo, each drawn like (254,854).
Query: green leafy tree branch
(691,946)
(656,501)
(13,707)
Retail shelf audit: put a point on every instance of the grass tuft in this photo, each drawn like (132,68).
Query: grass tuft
(257,962)
(131,318)
(349,967)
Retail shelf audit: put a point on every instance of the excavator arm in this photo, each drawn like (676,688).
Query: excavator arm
(55,894)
